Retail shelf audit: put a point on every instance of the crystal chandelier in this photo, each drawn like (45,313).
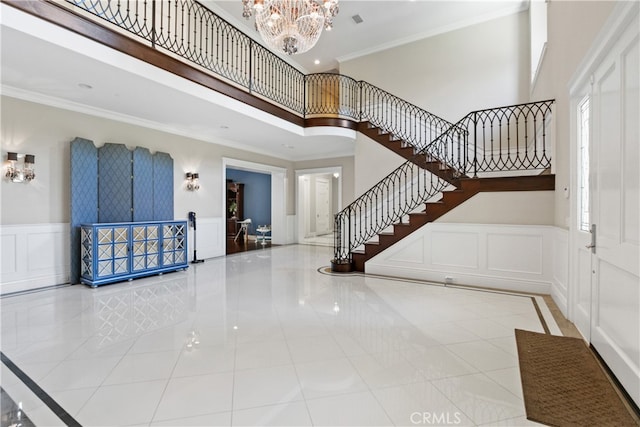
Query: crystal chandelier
(291,26)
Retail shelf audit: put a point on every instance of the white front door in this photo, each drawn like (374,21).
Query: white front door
(615,209)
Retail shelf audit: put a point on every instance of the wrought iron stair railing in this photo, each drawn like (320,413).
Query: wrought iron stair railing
(510,140)
(498,141)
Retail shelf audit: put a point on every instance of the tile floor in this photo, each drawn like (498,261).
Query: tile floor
(265,338)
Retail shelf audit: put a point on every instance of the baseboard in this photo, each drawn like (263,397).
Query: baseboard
(506,284)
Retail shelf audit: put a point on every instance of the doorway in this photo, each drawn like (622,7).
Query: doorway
(319,199)
(263,190)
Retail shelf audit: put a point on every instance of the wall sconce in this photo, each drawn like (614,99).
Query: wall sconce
(15,174)
(193,182)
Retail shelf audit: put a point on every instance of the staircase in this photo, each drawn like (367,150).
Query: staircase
(498,149)
(467,188)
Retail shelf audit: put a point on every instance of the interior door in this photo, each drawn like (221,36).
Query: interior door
(323,206)
(615,208)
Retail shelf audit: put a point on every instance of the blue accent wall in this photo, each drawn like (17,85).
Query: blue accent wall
(257,196)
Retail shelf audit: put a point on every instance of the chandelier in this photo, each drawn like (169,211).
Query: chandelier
(291,26)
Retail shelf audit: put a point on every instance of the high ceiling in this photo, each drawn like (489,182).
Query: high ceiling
(43,63)
(384,24)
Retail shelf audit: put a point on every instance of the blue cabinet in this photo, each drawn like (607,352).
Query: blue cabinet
(123,251)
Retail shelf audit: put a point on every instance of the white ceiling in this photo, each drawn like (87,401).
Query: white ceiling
(43,63)
(385,24)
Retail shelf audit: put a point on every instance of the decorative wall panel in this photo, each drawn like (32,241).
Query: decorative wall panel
(115,192)
(142,185)
(162,187)
(34,256)
(84,195)
(514,252)
(114,184)
(513,257)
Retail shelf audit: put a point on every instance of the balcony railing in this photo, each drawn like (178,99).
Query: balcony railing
(187,30)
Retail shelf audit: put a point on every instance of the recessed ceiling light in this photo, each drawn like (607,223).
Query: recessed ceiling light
(317,61)
(85,86)
(290,147)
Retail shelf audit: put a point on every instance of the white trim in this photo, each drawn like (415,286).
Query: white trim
(534,80)
(560,269)
(474,255)
(466,279)
(279,233)
(34,256)
(299,207)
(621,17)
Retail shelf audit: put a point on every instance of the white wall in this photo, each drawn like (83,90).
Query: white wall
(46,132)
(346,167)
(35,216)
(572,27)
(508,207)
(481,66)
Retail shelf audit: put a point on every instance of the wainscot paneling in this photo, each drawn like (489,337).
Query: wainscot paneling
(211,238)
(560,260)
(509,257)
(34,256)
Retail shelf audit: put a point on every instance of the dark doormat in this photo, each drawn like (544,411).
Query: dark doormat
(563,384)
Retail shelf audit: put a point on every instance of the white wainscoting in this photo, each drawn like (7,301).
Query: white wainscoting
(34,256)
(560,259)
(292,229)
(527,258)
(37,255)
(210,240)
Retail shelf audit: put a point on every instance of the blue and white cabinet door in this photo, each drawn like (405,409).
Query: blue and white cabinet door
(112,247)
(174,244)
(145,242)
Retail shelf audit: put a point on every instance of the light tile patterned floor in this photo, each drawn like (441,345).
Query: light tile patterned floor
(264,338)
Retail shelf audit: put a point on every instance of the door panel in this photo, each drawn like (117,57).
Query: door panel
(582,314)
(323,206)
(615,312)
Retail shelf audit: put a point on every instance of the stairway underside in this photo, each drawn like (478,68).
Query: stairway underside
(467,188)
(408,152)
